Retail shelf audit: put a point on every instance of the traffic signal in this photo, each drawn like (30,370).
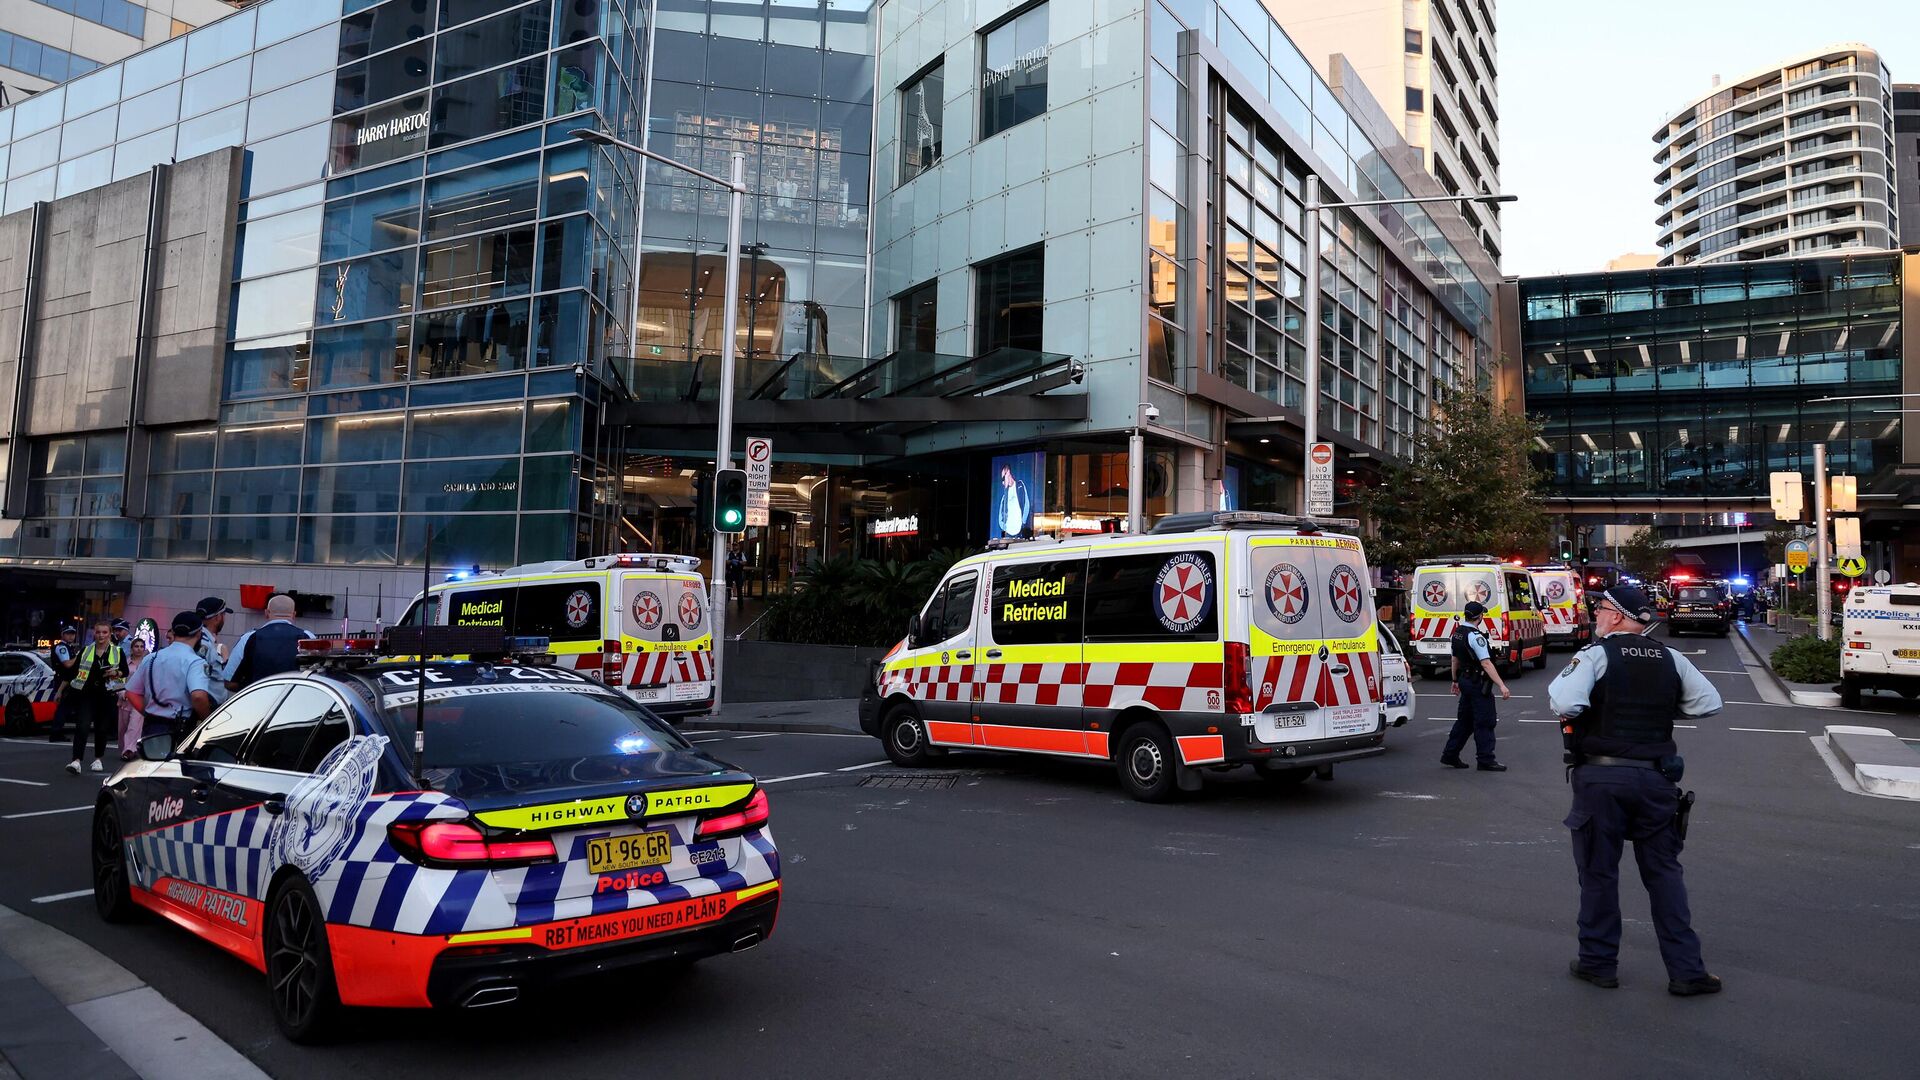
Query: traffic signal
(1586,554)
(730,501)
(1566,551)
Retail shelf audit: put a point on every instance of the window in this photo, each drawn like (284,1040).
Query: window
(12,664)
(220,738)
(1038,603)
(1165,596)
(949,613)
(283,742)
(1416,99)
(532,610)
(1011,302)
(914,318)
(1416,41)
(920,109)
(1013,71)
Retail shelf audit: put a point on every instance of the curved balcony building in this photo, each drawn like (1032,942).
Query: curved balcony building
(1791,160)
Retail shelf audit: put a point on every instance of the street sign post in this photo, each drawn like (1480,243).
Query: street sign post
(1320,480)
(1787,496)
(1881,577)
(1799,557)
(759,477)
(1846,537)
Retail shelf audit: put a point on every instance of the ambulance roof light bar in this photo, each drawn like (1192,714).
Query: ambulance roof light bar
(1002,543)
(1460,560)
(1248,519)
(628,560)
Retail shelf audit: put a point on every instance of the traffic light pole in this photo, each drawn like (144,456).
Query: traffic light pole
(1823,603)
(723,454)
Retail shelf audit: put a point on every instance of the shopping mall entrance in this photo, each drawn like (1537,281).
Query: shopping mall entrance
(39,600)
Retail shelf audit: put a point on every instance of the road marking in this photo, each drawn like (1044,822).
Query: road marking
(762,735)
(1771,730)
(28,783)
(44,813)
(862,765)
(1689,727)
(1769,704)
(796,776)
(1524,720)
(59,896)
(1717,671)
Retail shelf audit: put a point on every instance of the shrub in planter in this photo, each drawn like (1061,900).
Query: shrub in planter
(1807,660)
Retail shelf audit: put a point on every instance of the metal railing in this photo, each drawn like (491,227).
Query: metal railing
(805,376)
(1823,73)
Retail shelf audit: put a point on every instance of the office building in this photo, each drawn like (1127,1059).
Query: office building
(1906,158)
(1433,66)
(1790,160)
(322,292)
(44,42)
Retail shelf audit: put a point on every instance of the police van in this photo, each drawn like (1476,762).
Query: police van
(1442,588)
(1880,641)
(1564,614)
(636,621)
(1213,641)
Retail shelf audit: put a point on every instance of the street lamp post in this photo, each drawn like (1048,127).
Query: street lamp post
(736,189)
(1310,403)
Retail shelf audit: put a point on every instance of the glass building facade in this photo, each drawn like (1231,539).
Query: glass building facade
(1694,383)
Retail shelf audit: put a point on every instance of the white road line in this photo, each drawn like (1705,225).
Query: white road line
(762,735)
(1717,671)
(1768,704)
(862,765)
(59,896)
(28,783)
(1771,730)
(1524,720)
(44,813)
(796,776)
(1689,727)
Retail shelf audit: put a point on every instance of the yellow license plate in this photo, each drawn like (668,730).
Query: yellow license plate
(1907,654)
(610,853)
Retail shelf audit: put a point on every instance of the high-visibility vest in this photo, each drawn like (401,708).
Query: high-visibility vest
(86,666)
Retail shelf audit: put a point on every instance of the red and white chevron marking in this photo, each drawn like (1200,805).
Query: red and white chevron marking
(1308,678)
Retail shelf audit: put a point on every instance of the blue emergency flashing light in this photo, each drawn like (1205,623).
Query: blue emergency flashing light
(457,575)
(528,644)
(1741,581)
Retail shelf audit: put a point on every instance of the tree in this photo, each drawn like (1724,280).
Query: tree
(1646,554)
(1469,486)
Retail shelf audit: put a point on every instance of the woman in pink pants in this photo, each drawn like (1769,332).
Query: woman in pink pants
(130,719)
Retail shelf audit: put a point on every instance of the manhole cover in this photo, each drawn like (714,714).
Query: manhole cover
(913,781)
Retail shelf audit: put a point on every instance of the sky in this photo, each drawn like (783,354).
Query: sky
(1584,86)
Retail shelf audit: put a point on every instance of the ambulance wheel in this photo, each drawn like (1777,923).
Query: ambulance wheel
(1146,763)
(300,986)
(906,738)
(19,715)
(1849,694)
(111,897)
(1540,659)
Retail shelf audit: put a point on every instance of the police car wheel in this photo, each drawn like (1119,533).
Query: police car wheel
(300,986)
(19,715)
(111,897)
(1146,763)
(906,738)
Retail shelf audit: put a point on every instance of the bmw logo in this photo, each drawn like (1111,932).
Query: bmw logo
(636,805)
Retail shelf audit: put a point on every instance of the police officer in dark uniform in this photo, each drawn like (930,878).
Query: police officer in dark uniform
(1617,701)
(1474,681)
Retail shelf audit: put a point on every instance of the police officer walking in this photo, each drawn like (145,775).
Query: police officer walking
(1474,680)
(171,689)
(1617,701)
(268,649)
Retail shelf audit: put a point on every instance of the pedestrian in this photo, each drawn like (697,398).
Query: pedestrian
(1617,700)
(171,689)
(267,649)
(736,575)
(99,675)
(1474,681)
(65,655)
(120,632)
(213,618)
(129,716)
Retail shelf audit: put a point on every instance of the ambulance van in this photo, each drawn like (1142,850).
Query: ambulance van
(1880,641)
(1442,588)
(635,621)
(1563,606)
(1216,640)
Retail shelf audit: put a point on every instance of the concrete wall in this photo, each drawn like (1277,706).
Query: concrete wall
(162,588)
(191,275)
(776,671)
(87,309)
(16,237)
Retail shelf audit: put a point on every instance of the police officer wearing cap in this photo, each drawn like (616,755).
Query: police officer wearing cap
(213,618)
(1617,701)
(171,689)
(1474,680)
(65,656)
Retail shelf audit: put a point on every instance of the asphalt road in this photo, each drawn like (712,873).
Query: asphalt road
(1404,919)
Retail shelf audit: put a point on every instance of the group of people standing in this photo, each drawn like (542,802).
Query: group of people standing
(112,684)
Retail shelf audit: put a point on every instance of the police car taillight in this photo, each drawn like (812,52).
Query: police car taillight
(1239,694)
(459,845)
(749,817)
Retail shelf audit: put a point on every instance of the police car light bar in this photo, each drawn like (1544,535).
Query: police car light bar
(314,650)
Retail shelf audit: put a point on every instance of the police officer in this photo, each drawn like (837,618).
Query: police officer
(65,656)
(1617,701)
(1474,680)
(213,618)
(268,649)
(171,689)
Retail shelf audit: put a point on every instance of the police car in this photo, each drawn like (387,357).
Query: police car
(28,689)
(1215,641)
(362,847)
(633,620)
(1880,641)
(1397,695)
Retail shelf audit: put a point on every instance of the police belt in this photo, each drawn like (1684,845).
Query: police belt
(1624,762)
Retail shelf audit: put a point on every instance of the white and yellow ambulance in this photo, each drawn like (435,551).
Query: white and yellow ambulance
(1214,641)
(1564,615)
(1442,588)
(632,620)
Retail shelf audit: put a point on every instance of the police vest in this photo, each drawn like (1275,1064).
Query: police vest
(1470,670)
(269,650)
(1635,701)
(86,666)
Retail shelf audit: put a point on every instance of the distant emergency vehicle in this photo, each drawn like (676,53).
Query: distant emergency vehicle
(1216,640)
(1563,607)
(1880,641)
(1442,588)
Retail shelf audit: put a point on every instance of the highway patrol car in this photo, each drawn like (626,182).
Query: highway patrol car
(29,689)
(1880,641)
(1443,586)
(633,620)
(1214,641)
(362,847)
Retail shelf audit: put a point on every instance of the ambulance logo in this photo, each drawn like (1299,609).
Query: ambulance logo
(1435,593)
(1287,593)
(690,610)
(1479,592)
(1343,591)
(647,610)
(1183,593)
(579,608)
(1556,591)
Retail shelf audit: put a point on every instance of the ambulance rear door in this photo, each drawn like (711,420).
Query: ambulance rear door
(1287,656)
(1350,669)
(664,623)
